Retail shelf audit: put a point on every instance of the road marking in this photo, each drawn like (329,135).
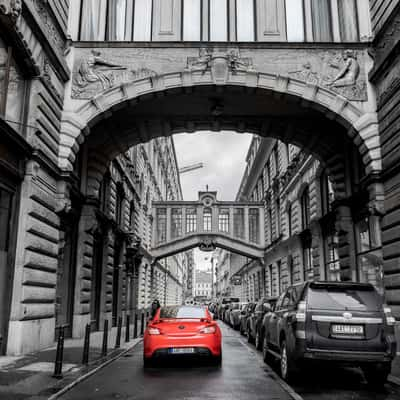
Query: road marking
(288,389)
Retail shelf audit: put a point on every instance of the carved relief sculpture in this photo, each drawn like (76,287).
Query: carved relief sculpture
(11,8)
(95,74)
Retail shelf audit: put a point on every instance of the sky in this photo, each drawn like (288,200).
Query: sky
(223,155)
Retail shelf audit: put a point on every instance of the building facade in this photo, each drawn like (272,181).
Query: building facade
(78,87)
(203,286)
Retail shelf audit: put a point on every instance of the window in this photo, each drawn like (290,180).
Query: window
(176,222)
(307,262)
(348,20)
(5,219)
(12,88)
(254,227)
(117,20)
(332,263)
(223,220)
(191,220)
(321,20)
(207,219)
(142,20)
(278,217)
(245,20)
(218,20)
(270,225)
(238,223)
(276,160)
(279,275)
(103,194)
(119,202)
(161,225)
(191,20)
(92,22)
(327,193)
(305,208)
(289,220)
(294,20)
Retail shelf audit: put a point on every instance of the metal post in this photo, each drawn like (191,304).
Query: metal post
(118,339)
(105,339)
(86,346)
(135,327)
(147,317)
(127,329)
(142,323)
(59,354)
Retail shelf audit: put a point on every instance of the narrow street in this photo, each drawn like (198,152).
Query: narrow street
(243,375)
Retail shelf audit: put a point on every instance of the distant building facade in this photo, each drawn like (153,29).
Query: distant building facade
(203,285)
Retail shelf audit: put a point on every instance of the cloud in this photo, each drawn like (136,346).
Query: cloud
(223,155)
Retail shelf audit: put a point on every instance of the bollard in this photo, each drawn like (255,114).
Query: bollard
(118,339)
(59,354)
(135,330)
(142,323)
(127,329)
(86,346)
(105,339)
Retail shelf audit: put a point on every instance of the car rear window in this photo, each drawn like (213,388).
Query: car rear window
(183,312)
(333,298)
(235,306)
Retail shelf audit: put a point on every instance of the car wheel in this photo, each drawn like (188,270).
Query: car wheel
(376,375)
(249,337)
(147,362)
(259,341)
(287,364)
(217,360)
(265,350)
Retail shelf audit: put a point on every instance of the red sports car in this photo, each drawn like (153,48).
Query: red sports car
(182,330)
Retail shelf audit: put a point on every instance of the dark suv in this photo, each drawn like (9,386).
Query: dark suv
(342,322)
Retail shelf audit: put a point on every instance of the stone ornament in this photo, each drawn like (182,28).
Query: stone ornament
(340,73)
(11,8)
(207,244)
(219,63)
(96,74)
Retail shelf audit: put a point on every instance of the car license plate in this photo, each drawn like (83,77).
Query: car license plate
(182,350)
(350,330)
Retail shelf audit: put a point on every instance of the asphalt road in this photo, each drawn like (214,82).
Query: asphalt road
(243,375)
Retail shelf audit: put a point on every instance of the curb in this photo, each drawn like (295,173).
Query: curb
(92,372)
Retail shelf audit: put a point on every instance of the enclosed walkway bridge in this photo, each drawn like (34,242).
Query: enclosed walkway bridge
(208,223)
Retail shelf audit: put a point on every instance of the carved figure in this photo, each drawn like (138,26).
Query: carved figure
(237,63)
(348,74)
(92,69)
(306,74)
(12,8)
(202,62)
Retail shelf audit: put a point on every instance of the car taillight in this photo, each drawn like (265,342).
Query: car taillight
(153,331)
(390,320)
(208,329)
(301,312)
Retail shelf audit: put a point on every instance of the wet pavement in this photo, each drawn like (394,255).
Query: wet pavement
(243,375)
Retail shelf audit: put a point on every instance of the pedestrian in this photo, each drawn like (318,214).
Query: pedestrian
(155,305)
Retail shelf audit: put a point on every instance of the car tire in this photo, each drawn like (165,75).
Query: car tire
(249,337)
(147,362)
(258,340)
(287,365)
(265,350)
(217,360)
(377,374)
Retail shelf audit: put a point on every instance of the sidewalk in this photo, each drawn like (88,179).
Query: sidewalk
(395,374)
(30,376)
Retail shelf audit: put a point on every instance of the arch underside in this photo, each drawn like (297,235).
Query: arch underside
(215,108)
(208,242)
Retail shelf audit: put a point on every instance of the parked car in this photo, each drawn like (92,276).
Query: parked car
(340,322)
(244,315)
(235,314)
(254,322)
(180,331)
(224,304)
